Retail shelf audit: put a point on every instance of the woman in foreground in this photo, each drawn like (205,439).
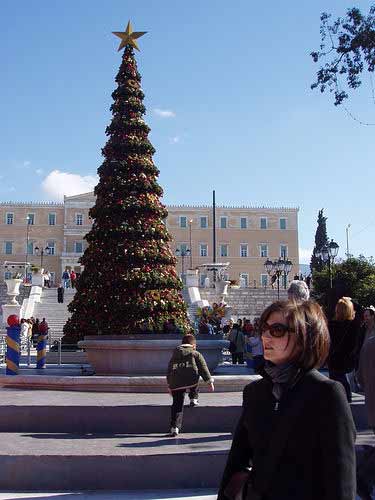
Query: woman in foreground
(295,438)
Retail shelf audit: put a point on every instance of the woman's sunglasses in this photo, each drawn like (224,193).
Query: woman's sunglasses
(277,330)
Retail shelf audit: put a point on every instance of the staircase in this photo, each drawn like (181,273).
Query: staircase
(248,302)
(56,314)
(66,441)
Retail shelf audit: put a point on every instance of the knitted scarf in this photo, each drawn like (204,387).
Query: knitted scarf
(282,376)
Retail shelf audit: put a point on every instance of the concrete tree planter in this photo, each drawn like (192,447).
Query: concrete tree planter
(143,354)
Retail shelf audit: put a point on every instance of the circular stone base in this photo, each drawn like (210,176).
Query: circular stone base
(122,356)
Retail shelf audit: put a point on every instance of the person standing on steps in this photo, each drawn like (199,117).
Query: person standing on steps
(237,340)
(295,439)
(60,294)
(66,278)
(184,369)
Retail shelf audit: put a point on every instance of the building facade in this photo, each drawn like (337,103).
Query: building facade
(51,235)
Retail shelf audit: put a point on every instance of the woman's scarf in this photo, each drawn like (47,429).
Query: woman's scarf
(282,376)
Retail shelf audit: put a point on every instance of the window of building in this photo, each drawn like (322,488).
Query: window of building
(30,219)
(30,248)
(203,249)
(8,275)
(78,246)
(183,221)
(264,280)
(223,222)
(243,222)
(284,251)
(243,250)
(283,223)
(224,250)
(51,219)
(263,223)
(204,222)
(263,250)
(51,246)
(79,219)
(10,218)
(182,248)
(244,280)
(8,247)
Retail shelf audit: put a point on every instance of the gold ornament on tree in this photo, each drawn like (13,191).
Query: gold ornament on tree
(128,37)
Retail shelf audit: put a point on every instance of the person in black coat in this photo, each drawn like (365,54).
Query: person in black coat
(295,439)
(344,332)
(60,294)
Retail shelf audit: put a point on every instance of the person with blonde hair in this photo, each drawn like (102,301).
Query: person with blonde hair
(343,331)
(296,437)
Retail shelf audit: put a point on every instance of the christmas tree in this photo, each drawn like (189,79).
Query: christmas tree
(129,283)
(321,240)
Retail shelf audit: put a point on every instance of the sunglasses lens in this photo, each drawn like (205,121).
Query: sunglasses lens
(278,330)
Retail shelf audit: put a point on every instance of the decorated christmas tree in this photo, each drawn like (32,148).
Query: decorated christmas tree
(129,283)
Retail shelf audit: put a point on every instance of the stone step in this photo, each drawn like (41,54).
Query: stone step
(83,412)
(165,494)
(63,461)
(62,411)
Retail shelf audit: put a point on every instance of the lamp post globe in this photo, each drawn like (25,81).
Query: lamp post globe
(333,249)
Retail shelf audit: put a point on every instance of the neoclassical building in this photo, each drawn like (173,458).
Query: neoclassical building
(52,235)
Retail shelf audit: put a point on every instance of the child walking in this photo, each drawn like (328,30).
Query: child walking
(184,369)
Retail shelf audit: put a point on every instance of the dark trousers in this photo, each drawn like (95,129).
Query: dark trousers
(343,379)
(237,357)
(177,409)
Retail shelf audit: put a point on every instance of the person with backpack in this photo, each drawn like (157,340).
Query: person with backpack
(184,369)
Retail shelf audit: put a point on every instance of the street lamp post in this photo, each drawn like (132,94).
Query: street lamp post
(347,241)
(191,248)
(41,253)
(183,253)
(278,268)
(328,254)
(27,245)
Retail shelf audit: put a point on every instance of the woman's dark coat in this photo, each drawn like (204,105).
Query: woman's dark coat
(344,340)
(304,450)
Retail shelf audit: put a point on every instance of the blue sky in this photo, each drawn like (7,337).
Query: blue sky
(228,99)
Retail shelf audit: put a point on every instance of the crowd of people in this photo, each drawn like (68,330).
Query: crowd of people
(31,329)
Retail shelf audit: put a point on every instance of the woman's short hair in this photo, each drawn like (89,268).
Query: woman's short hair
(344,309)
(298,291)
(308,325)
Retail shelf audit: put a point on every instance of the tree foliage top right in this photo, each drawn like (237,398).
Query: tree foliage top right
(129,283)
(348,47)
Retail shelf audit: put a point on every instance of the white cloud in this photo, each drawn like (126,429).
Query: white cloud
(174,140)
(57,183)
(305,255)
(26,163)
(39,171)
(164,113)
(11,189)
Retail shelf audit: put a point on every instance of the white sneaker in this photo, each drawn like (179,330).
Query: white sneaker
(174,431)
(194,402)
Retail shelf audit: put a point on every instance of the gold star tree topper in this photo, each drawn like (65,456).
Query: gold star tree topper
(128,37)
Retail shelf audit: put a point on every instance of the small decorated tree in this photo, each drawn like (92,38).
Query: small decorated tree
(129,283)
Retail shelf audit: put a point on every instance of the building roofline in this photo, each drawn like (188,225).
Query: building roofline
(32,203)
